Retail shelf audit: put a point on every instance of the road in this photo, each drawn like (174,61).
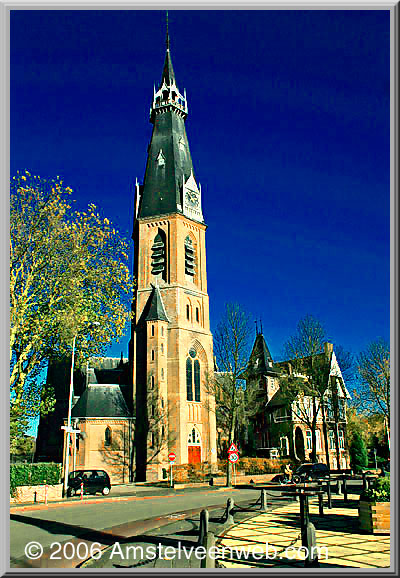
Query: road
(123,516)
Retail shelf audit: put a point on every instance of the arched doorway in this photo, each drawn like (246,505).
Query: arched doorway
(299,444)
(194,446)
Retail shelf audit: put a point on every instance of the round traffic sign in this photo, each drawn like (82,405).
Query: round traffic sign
(233,458)
(171,457)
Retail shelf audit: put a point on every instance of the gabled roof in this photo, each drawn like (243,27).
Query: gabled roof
(105,400)
(156,310)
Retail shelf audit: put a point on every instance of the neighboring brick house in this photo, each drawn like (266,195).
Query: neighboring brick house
(278,427)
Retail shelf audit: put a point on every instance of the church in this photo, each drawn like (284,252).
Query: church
(130,414)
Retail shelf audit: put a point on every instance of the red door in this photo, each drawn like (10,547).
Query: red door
(194,454)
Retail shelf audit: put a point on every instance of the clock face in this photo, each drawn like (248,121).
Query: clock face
(192,198)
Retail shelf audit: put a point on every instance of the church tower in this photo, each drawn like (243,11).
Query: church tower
(171,348)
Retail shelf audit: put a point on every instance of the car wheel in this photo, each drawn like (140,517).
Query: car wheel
(296,479)
(106,491)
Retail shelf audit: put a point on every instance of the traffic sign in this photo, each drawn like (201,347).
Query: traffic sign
(172,457)
(232,449)
(233,458)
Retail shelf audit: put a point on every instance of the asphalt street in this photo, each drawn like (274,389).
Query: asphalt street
(72,519)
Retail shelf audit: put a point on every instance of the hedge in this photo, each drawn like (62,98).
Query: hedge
(34,474)
(254,466)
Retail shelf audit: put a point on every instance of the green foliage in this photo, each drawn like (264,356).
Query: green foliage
(69,278)
(34,475)
(379,491)
(358,453)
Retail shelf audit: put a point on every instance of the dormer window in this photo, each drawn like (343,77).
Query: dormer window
(161,159)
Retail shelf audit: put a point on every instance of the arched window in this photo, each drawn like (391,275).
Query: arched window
(192,376)
(189,380)
(158,255)
(152,382)
(196,380)
(107,436)
(188,311)
(152,330)
(162,373)
(194,437)
(190,265)
(197,315)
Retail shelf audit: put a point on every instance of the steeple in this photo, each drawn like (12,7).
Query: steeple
(169,183)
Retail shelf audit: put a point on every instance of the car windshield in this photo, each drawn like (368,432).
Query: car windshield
(304,468)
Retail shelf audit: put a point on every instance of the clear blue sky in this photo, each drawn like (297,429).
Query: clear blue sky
(289,133)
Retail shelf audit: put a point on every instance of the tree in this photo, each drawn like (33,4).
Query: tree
(307,378)
(358,453)
(231,349)
(67,268)
(373,366)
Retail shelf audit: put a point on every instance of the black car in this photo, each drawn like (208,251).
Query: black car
(308,472)
(93,481)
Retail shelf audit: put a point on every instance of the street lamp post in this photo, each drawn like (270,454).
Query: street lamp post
(68,428)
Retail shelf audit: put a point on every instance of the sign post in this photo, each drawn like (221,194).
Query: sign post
(233,457)
(172,458)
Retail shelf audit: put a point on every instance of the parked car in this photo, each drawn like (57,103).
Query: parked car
(309,472)
(93,481)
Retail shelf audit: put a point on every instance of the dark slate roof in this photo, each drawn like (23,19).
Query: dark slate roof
(156,309)
(261,361)
(168,74)
(101,401)
(278,400)
(162,186)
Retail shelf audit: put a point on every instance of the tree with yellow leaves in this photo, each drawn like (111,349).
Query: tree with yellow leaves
(69,278)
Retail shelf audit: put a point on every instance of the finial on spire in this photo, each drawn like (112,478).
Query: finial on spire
(167,36)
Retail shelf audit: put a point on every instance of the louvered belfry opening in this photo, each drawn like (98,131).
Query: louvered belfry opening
(158,256)
(189,257)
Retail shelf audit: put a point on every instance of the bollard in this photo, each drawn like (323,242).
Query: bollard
(308,539)
(304,512)
(203,528)
(208,543)
(228,517)
(34,497)
(320,504)
(344,489)
(264,504)
(81,490)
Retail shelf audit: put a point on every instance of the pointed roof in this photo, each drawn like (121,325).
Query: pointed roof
(156,310)
(168,75)
(260,361)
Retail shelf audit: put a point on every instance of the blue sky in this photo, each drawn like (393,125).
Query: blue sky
(289,132)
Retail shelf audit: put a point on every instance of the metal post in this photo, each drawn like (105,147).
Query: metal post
(320,505)
(328,488)
(344,489)
(81,490)
(376,465)
(171,484)
(45,492)
(234,470)
(71,389)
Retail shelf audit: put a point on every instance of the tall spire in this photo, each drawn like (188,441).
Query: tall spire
(167,35)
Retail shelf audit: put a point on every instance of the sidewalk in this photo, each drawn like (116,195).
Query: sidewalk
(337,530)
